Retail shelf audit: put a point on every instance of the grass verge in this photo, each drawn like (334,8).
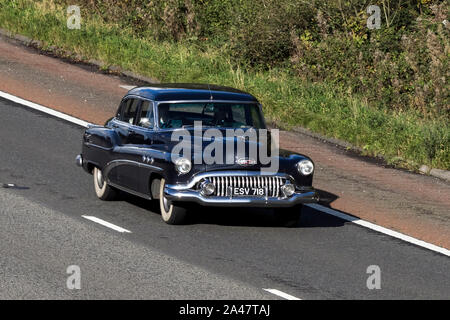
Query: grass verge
(402,138)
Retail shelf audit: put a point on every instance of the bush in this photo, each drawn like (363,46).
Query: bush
(312,63)
(402,66)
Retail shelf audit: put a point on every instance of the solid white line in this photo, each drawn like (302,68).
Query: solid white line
(319,207)
(378,228)
(49,111)
(127,87)
(106,224)
(281,294)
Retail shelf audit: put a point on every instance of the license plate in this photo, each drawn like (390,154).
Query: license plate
(243,192)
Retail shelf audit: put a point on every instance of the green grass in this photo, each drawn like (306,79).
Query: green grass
(403,139)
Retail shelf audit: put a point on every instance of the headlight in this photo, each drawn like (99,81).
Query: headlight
(288,189)
(207,188)
(305,167)
(183,165)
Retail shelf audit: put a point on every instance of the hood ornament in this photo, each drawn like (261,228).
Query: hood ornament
(245,161)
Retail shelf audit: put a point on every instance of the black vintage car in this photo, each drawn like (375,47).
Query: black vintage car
(135,151)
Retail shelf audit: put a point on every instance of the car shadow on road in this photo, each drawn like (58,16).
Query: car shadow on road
(326,198)
(248,217)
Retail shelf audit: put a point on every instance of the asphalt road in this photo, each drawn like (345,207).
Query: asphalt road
(221,254)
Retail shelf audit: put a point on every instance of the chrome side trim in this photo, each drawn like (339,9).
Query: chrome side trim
(112,164)
(158,154)
(88,144)
(145,196)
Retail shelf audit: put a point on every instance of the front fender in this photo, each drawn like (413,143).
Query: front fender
(288,164)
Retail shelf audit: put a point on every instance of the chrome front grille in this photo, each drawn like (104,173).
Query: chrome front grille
(223,183)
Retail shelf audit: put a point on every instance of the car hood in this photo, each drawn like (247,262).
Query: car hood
(244,153)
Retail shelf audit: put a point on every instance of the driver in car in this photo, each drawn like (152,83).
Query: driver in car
(164,121)
(220,117)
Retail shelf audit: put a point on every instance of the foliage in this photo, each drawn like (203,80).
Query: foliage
(311,63)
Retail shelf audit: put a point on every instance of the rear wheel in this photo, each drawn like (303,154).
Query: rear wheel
(170,213)
(102,189)
(288,217)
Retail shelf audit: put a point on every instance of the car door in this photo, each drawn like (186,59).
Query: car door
(143,140)
(121,131)
(127,158)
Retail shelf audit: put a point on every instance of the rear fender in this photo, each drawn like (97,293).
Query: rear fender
(98,144)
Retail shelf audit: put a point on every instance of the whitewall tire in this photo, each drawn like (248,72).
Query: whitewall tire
(170,213)
(102,189)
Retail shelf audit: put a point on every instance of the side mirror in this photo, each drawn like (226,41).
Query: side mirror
(145,122)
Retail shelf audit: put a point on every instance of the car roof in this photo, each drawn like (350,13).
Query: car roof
(190,91)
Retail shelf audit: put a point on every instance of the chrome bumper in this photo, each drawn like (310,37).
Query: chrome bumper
(79,160)
(310,196)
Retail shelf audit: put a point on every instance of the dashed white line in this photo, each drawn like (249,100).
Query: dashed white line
(46,110)
(321,208)
(128,88)
(106,224)
(378,228)
(281,294)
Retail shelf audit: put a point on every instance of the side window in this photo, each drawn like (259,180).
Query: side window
(129,110)
(146,118)
(122,107)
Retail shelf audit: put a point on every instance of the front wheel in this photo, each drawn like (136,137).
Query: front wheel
(170,213)
(288,217)
(102,189)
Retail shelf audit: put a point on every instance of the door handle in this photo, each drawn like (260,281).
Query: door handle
(131,131)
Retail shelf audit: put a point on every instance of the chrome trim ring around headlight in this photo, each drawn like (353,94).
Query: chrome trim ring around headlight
(288,189)
(305,167)
(207,188)
(183,165)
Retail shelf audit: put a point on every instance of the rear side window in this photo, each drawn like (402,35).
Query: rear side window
(129,110)
(146,118)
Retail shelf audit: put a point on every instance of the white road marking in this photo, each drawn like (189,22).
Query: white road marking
(378,228)
(281,294)
(49,111)
(319,207)
(106,224)
(128,88)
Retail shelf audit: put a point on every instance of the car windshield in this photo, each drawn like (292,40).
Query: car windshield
(226,115)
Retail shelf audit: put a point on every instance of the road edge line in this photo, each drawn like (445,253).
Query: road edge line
(380,229)
(43,109)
